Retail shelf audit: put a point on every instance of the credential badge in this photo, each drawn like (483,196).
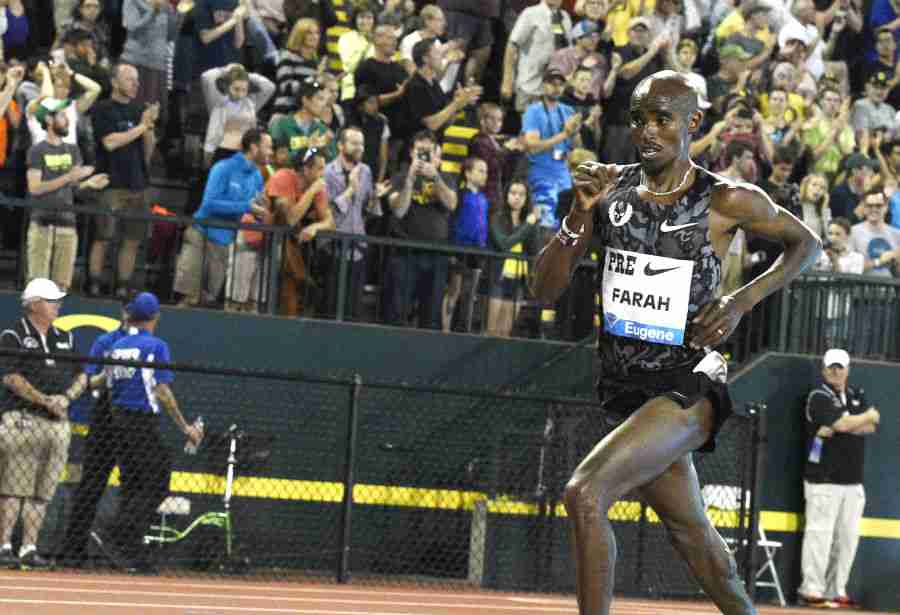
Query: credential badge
(620,213)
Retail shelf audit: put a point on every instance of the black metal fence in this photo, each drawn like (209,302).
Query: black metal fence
(369,482)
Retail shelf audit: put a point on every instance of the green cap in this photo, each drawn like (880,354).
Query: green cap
(733,51)
(49,106)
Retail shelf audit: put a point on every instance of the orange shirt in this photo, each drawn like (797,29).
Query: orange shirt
(12,114)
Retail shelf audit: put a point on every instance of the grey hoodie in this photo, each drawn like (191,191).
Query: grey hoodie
(149,33)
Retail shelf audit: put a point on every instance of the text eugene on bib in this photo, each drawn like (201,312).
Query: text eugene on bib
(646,297)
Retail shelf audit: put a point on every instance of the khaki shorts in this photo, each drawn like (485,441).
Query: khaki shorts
(127,202)
(33,455)
(51,253)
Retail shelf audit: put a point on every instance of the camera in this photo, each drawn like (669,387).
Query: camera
(424,155)
(827,245)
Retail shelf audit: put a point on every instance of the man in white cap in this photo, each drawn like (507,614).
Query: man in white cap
(34,429)
(837,415)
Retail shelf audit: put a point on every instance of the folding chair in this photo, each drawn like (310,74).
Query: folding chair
(770,548)
(726,498)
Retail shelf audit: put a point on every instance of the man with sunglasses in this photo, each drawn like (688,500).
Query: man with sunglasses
(304,129)
(34,429)
(837,416)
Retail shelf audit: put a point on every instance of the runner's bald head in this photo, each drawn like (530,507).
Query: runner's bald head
(667,89)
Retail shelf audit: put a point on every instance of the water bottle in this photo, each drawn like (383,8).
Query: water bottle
(190,448)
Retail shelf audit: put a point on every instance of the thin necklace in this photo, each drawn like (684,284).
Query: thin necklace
(670,192)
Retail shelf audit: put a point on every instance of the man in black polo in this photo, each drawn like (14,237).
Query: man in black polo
(34,429)
(837,416)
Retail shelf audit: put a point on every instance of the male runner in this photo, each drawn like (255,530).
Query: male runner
(666,225)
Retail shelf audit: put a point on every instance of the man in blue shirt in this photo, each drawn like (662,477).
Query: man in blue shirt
(99,453)
(234,187)
(144,462)
(550,129)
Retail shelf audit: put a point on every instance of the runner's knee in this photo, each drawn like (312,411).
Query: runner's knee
(586,498)
(704,543)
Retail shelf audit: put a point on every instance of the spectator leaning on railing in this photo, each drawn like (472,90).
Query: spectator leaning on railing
(234,187)
(55,172)
(34,438)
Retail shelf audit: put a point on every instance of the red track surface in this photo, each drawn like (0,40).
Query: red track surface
(57,593)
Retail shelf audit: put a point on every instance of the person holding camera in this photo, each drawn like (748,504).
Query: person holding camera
(837,416)
(421,200)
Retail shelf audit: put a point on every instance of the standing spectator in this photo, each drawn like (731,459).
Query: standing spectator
(472,21)
(151,26)
(846,198)
(297,62)
(353,196)
(219,25)
(246,282)
(387,80)
(666,19)
(837,416)
(874,238)
(828,135)
(890,166)
(355,46)
(814,204)
(81,56)
(234,187)
(837,255)
(539,31)
(15,38)
(871,114)
(550,131)
(579,96)
(125,143)
(303,128)
(34,440)
(885,62)
(500,153)
(883,14)
(55,172)
(582,55)
(10,120)
(782,124)
(450,54)
(332,113)
(428,106)
(375,129)
(631,63)
(57,83)
(233,98)
(421,201)
(513,229)
(88,16)
(144,461)
(300,201)
(470,228)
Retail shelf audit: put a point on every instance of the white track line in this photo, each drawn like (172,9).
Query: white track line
(197,607)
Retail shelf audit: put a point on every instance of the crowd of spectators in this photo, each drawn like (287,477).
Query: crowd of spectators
(457,122)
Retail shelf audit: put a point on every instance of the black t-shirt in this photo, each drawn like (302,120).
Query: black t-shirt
(842,456)
(422,100)
(126,165)
(618,104)
(584,107)
(842,202)
(48,376)
(427,218)
(384,77)
(859,79)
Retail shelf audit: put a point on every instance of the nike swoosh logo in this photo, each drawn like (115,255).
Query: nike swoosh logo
(648,270)
(665,228)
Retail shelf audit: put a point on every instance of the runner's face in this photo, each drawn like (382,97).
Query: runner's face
(659,127)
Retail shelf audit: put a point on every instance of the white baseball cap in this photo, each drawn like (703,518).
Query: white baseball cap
(836,355)
(42,288)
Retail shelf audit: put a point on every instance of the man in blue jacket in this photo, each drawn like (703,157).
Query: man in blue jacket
(234,187)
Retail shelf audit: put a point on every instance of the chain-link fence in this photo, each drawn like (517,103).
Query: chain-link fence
(455,487)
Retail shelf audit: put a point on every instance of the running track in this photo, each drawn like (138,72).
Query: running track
(60,593)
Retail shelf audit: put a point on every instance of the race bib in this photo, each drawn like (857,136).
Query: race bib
(646,297)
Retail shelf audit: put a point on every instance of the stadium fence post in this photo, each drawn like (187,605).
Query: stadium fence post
(760,438)
(343,572)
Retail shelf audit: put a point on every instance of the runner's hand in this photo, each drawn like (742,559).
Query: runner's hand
(715,322)
(593,182)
